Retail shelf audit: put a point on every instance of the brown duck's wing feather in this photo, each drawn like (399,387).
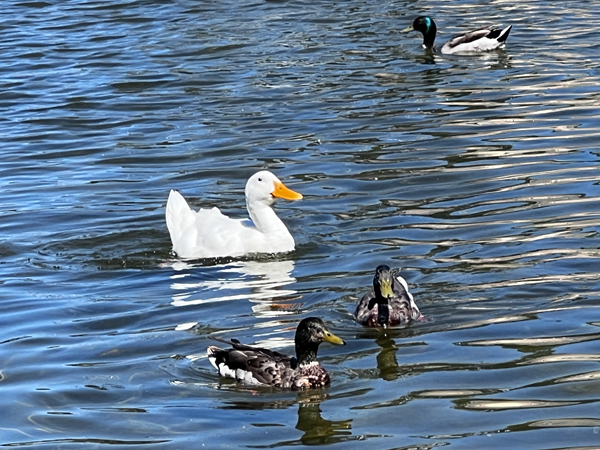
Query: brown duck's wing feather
(402,306)
(237,345)
(264,368)
(366,308)
(252,365)
(398,288)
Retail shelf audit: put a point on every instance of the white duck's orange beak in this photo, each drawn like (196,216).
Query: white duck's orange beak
(283,192)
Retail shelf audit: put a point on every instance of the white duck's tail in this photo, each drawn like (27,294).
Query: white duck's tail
(179,217)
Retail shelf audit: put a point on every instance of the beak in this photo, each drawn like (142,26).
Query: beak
(328,336)
(283,192)
(408,29)
(385,285)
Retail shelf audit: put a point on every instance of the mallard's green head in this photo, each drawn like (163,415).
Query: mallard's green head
(309,334)
(425,25)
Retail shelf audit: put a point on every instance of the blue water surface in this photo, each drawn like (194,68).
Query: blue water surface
(477,175)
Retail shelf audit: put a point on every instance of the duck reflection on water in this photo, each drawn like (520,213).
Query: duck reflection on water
(263,283)
(316,429)
(390,342)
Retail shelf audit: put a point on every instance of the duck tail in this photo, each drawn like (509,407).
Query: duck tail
(504,35)
(215,353)
(177,215)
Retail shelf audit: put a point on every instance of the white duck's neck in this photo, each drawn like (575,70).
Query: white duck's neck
(265,220)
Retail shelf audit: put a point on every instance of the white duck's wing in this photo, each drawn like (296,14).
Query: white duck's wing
(206,233)
(480,40)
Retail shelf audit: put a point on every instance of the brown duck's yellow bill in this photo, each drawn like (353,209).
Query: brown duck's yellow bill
(408,29)
(284,192)
(328,336)
(386,288)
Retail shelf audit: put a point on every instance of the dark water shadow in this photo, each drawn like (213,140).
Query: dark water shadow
(316,429)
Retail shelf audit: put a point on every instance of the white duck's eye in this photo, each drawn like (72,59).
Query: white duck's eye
(260,179)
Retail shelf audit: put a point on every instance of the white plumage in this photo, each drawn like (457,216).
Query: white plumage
(208,233)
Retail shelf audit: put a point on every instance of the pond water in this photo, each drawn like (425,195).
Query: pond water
(478,176)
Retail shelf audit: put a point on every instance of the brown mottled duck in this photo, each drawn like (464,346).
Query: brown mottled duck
(260,366)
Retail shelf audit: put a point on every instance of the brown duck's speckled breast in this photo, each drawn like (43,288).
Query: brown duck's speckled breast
(311,376)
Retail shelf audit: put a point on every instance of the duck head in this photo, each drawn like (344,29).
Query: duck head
(427,27)
(382,283)
(264,187)
(309,335)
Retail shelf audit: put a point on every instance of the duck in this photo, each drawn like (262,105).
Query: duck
(259,366)
(389,303)
(208,233)
(480,40)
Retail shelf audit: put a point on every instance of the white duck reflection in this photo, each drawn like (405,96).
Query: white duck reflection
(261,282)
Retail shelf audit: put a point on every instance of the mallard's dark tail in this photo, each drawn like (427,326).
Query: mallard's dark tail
(504,34)
(216,356)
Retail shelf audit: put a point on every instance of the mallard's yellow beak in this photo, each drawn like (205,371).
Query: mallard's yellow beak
(283,192)
(328,336)
(408,29)
(385,285)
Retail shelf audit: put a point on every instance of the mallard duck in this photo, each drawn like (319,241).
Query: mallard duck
(259,366)
(389,303)
(209,234)
(480,40)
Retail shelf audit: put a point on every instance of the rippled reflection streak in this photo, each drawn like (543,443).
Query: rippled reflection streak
(259,282)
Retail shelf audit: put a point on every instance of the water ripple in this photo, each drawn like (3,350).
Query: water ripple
(476,175)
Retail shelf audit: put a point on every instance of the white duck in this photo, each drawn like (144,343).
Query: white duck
(210,234)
